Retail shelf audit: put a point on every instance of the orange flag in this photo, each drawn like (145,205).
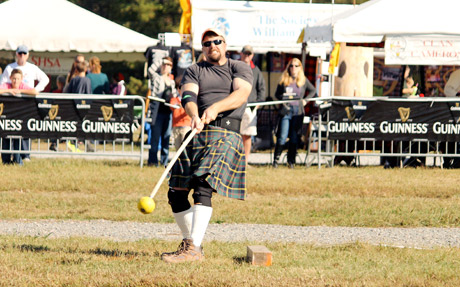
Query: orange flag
(334,58)
(185,26)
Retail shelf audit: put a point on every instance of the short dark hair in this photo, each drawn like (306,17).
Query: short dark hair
(81,67)
(16,71)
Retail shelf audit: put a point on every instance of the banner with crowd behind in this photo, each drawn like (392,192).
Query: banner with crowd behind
(92,119)
(394,120)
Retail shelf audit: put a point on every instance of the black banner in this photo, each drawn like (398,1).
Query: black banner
(394,120)
(57,118)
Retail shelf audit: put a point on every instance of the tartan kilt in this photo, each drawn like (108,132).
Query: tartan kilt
(218,154)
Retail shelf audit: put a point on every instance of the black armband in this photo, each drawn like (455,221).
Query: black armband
(188,96)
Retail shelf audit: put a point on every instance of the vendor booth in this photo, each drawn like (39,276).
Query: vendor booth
(415,39)
(413,32)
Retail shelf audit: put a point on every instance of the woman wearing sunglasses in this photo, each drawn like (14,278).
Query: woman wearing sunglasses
(293,85)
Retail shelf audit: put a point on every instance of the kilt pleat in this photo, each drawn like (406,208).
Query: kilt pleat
(218,155)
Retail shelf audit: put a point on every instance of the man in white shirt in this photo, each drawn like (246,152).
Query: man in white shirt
(30,73)
(29,70)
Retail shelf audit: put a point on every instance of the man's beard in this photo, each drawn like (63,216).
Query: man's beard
(214,58)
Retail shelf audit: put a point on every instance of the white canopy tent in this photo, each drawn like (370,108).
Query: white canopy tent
(267,26)
(420,32)
(53,28)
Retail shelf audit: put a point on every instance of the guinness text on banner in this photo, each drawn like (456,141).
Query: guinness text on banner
(394,120)
(95,119)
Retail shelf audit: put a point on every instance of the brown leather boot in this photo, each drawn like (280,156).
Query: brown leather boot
(186,252)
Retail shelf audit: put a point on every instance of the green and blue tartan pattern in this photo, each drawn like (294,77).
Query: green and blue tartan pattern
(218,154)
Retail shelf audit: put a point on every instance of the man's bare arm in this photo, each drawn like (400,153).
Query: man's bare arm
(191,108)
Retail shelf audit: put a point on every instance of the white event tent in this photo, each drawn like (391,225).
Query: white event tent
(422,32)
(266,26)
(58,29)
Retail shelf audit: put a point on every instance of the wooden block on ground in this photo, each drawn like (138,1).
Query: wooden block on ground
(259,255)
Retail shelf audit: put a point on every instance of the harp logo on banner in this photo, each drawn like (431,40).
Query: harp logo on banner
(1,109)
(44,107)
(53,112)
(107,112)
(404,113)
(351,115)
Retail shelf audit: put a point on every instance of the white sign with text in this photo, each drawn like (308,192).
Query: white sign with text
(418,50)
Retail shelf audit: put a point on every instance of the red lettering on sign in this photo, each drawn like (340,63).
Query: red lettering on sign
(45,62)
(440,43)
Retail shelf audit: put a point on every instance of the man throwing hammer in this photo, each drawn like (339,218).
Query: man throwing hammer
(214,94)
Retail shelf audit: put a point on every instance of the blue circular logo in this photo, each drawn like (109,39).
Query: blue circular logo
(222,24)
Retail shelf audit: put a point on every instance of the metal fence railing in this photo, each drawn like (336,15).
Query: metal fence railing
(131,148)
(322,148)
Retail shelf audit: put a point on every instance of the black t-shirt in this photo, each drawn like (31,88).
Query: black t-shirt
(215,83)
(182,58)
(154,56)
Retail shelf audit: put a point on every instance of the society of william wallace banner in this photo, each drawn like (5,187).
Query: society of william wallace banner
(58,118)
(394,120)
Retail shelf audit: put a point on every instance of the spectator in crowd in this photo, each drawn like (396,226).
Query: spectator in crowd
(31,73)
(293,85)
(73,70)
(99,81)
(408,84)
(201,58)
(16,87)
(181,122)
(249,121)
(162,87)
(79,84)
(116,87)
(60,83)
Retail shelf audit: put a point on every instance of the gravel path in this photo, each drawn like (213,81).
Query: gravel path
(316,235)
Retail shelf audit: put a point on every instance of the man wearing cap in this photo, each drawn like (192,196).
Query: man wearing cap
(249,122)
(214,94)
(31,74)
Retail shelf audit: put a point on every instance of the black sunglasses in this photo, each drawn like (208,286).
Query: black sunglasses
(216,42)
(22,53)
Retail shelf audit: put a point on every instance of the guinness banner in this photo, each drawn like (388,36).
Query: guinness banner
(394,120)
(96,119)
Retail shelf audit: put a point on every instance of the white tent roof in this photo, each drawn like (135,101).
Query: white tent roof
(266,26)
(60,26)
(372,21)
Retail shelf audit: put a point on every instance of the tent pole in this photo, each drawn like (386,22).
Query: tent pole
(304,44)
(331,76)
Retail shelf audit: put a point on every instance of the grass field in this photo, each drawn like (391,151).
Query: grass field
(368,197)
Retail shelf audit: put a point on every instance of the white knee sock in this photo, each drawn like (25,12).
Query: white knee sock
(201,216)
(184,220)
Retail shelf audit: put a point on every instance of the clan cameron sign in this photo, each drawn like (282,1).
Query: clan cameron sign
(58,118)
(395,120)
